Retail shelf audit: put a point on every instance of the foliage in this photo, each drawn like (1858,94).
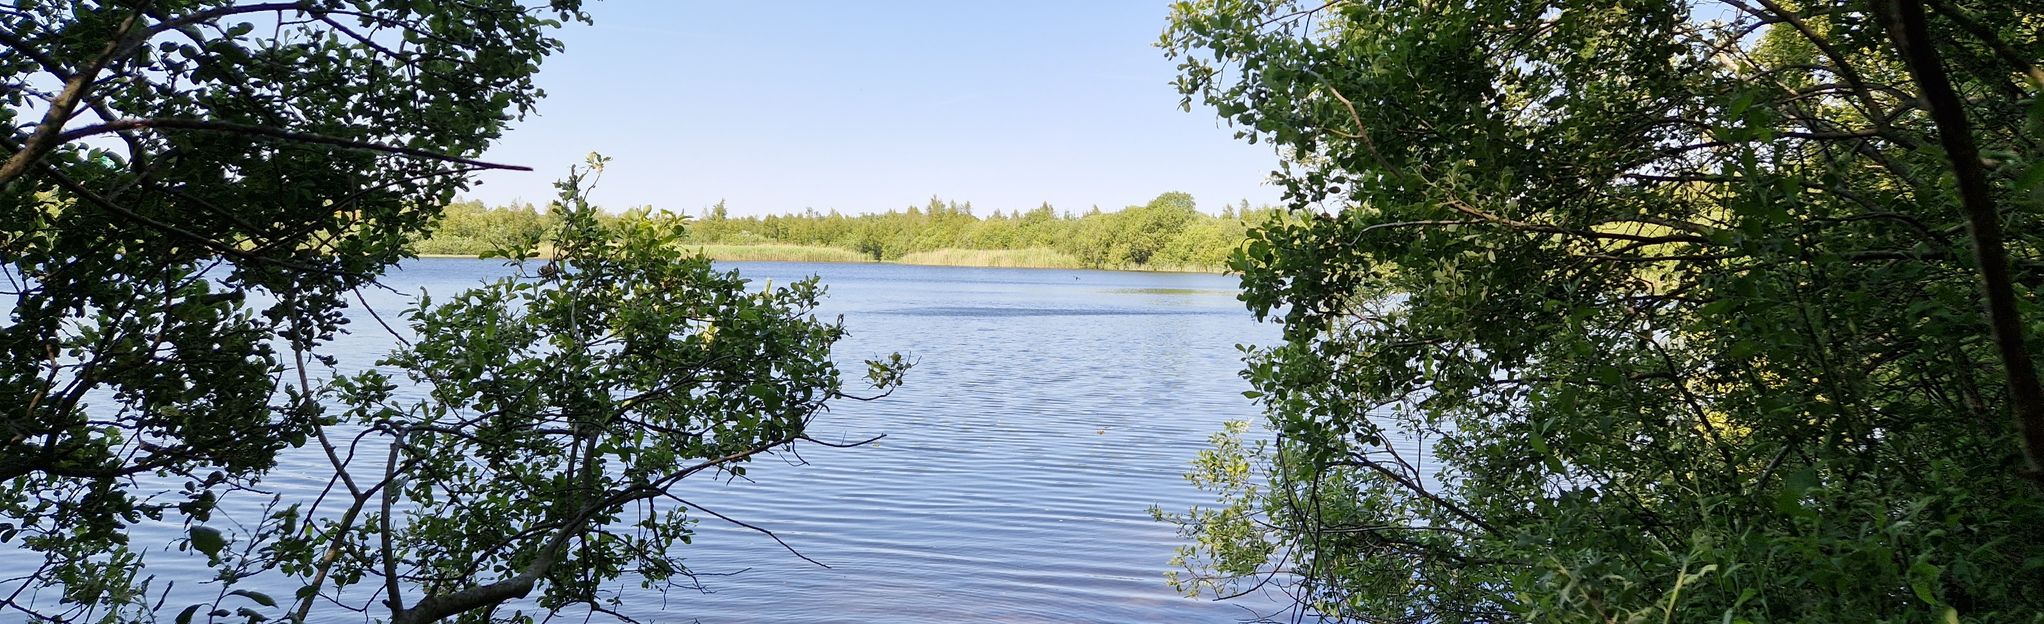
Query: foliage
(1035,257)
(1169,232)
(562,406)
(1630,311)
(778,253)
(183,196)
(468,228)
(1141,232)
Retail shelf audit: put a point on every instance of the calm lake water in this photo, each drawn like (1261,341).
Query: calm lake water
(1050,409)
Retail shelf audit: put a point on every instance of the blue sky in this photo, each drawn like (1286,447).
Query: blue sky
(869,106)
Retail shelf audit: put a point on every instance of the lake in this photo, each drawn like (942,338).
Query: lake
(1048,411)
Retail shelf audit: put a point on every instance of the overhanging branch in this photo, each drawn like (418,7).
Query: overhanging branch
(201,125)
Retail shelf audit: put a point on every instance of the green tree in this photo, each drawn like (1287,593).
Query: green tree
(185,199)
(1144,230)
(565,403)
(1203,242)
(1093,239)
(1168,230)
(1634,311)
(469,228)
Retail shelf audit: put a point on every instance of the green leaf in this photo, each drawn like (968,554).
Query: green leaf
(260,598)
(1789,500)
(185,616)
(1742,349)
(208,540)
(1922,576)
(1610,375)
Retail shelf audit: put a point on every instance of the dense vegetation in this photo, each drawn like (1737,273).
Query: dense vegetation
(1625,311)
(1597,310)
(187,201)
(565,403)
(1168,233)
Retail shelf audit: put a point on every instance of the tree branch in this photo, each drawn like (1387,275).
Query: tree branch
(47,133)
(2000,48)
(273,133)
(226,11)
(1907,30)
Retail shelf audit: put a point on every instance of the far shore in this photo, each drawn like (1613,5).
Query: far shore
(983,258)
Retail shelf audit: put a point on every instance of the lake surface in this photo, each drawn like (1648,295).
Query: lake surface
(1048,411)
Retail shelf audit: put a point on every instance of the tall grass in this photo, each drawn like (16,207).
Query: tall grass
(1035,257)
(780,253)
(1176,267)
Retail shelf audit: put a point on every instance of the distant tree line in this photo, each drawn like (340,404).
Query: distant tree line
(470,228)
(1168,232)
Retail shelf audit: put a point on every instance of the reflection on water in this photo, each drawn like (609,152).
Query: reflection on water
(1172,291)
(1049,410)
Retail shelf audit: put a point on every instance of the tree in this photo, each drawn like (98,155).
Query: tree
(1168,230)
(470,228)
(1628,311)
(1147,229)
(565,402)
(186,200)
(1093,239)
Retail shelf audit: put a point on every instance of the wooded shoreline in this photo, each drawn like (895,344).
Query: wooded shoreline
(951,257)
(1167,234)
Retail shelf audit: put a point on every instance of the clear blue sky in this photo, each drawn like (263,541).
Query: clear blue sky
(870,106)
